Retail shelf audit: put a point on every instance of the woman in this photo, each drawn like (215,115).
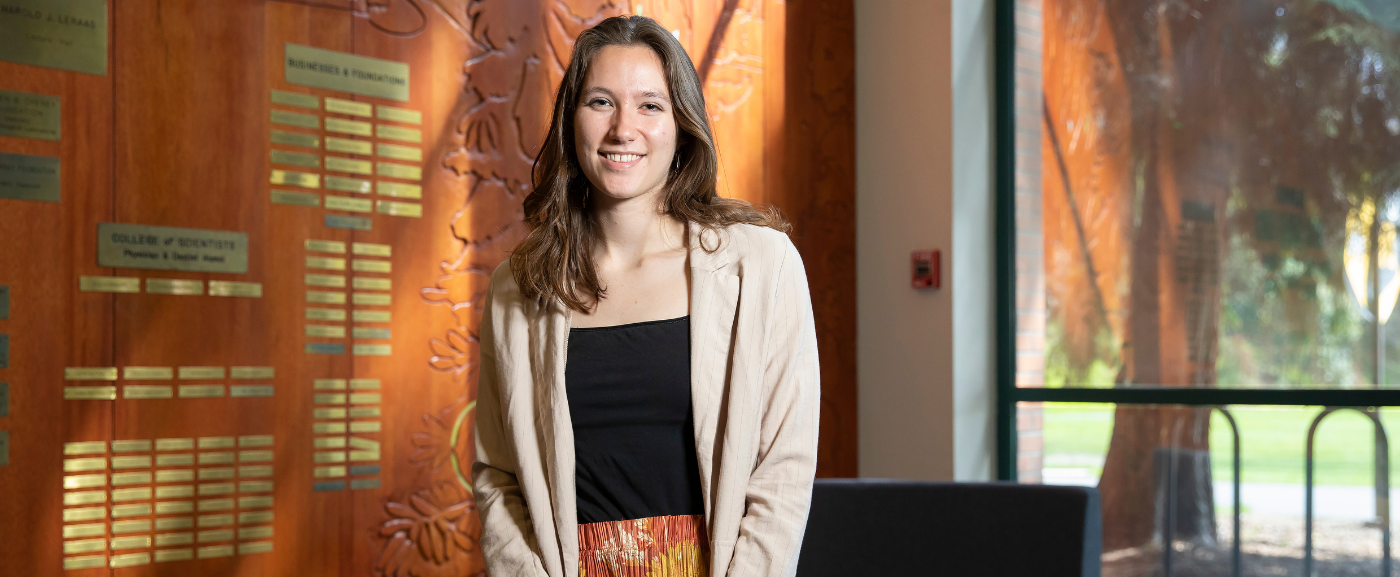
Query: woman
(648,392)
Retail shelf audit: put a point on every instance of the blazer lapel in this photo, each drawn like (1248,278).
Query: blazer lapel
(714,299)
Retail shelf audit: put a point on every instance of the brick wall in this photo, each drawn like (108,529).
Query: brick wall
(1030,247)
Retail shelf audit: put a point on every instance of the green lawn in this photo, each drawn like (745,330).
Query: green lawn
(1272,442)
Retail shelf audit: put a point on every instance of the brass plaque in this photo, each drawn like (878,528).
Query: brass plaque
(315,314)
(362,316)
(328,413)
(365,444)
(368,333)
(84,514)
(219,458)
(90,373)
(228,288)
(142,478)
(84,562)
(84,530)
(178,460)
(363,456)
(295,158)
(350,107)
(4,399)
(295,198)
(104,393)
(325,280)
(333,246)
(175,491)
(328,442)
(363,265)
(173,538)
(325,349)
(364,427)
(255,532)
(255,517)
(67,34)
(169,248)
(364,412)
(246,391)
(216,489)
(26,177)
(329,399)
(170,286)
(192,373)
(403,171)
(131,543)
(109,284)
(349,204)
(85,481)
(378,299)
(201,391)
(132,446)
(132,526)
(399,115)
(372,283)
(400,208)
(163,555)
(352,127)
(84,497)
(301,179)
(345,184)
(330,471)
(251,372)
(348,146)
(373,351)
(399,133)
(260,456)
(323,331)
(147,392)
(133,494)
(172,475)
(327,428)
(329,457)
(371,249)
(85,546)
(295,99)
(349,165)
(328,384)
(174,444)
(217,535)
(398,189)
(396,152)
(255,547)
(27,115)
(364,384)
(85,448)
(255,441)
(136,510)
(296,119)
(148,373)
(4,302)
(365,398)
(255,471)
(169,507)
(348,222)
(295,139)
(215,473)
(132,462)
(345,72)
(129,560)
(216,551)
(325,297)
(326,263)
(254,487)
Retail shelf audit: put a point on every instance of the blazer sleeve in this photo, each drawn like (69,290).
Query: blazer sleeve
(779,492)
(507,535)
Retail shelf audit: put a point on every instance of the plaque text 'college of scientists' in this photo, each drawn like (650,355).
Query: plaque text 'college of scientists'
(169,248)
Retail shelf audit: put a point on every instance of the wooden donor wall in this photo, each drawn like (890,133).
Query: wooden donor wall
(247,241)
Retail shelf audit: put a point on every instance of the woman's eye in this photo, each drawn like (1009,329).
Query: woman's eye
(652,107)
(597,102)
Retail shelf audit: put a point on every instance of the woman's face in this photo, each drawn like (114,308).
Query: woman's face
(624,129)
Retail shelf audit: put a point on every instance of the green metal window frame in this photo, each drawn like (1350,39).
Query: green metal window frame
(1008,394)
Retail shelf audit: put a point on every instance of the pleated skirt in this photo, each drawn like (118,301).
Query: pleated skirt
(673,546)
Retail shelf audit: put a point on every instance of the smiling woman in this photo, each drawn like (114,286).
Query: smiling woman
(644,323)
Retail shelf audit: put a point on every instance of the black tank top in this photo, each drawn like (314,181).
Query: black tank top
(634,442)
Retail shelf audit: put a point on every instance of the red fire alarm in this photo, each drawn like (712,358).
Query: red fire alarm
(924,269)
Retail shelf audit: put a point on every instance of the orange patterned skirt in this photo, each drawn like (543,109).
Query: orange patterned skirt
(673,546)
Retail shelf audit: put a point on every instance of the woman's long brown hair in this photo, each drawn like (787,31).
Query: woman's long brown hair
(555,261)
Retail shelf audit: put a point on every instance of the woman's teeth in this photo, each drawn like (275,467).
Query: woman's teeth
(623,157)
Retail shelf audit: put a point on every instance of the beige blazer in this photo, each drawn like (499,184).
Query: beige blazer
(754,391)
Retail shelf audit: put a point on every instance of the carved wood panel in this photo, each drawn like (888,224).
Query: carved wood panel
(196,111)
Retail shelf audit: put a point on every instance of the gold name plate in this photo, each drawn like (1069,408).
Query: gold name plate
(168,248)
(67,35)
(29,115)
(346,72)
